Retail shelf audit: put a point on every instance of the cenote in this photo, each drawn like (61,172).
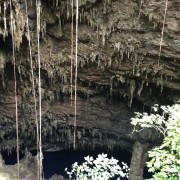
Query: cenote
(75,71)
(55,162)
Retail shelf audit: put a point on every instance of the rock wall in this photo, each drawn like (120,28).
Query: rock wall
(138,161)
(27,169)
(118,64)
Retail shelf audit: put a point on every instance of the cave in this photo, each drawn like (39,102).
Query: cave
(62,89)
(55,162)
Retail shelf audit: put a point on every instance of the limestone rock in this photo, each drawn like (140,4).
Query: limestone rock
(118,65)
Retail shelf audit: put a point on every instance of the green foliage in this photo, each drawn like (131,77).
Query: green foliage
(99,168)
(165,160)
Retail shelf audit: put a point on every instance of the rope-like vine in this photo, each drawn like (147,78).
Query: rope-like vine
(15,87)
(76,59)
(33,87)
(39,88)
(72,45)
(162,33)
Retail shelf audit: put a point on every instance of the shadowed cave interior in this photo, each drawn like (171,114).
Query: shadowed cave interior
(56,162)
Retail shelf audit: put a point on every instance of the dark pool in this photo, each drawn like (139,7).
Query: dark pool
(56,162)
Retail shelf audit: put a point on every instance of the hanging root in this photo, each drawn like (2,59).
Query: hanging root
(76,64)
(33,86)
(39,88)
(162,32)
(15,87)
(72,43)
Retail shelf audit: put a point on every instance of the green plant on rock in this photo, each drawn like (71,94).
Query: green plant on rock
(164,160)
(99,168)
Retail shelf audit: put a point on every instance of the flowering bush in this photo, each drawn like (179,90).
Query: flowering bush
(99,168)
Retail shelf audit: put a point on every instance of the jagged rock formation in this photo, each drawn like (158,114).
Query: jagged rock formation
(118,63)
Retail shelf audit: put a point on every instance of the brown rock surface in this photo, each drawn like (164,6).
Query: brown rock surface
(118,47)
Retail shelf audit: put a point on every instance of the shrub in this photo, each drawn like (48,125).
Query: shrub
(165,160)
(99,168)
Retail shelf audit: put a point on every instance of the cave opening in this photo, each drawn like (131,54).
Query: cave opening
(10,158)
(55,162)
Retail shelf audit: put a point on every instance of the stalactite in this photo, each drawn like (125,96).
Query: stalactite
(2,59)
(5,24)
(43,28)
(109,62)
(79,135)
(140,88)
(146,76)
(3,81)
(111,84)
(57,3)
(132,89)
(60,31)
(159,82)
(103,36)
(91,13)
(104,8)
(84,16)
(19,24)
(20,74)
(80,17)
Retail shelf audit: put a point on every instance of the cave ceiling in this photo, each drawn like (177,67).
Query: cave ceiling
(118,64)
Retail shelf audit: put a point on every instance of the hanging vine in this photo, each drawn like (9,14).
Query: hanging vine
(72,44)
(76,65)
(33,87)
(12,23)
(162,32)
(39,87)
